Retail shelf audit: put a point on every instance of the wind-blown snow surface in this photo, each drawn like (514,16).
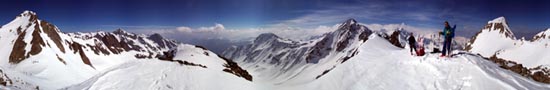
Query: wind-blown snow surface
(379,65)
(157,74)
(383,67)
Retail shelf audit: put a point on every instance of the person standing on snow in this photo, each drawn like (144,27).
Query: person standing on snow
(448,33)
(412,43)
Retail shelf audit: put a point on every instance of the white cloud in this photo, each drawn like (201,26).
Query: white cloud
(390,27)
(218,31)
(183,29)
(216,27)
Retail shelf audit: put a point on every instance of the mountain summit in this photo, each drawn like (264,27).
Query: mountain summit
(495,32)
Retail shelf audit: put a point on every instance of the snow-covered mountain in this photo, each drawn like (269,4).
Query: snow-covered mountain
(375,62)
(35,54)
(543,36)
(279,60)
(527,57)
(494,36)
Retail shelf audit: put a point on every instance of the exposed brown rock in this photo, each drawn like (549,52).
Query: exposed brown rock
(140,56)
(163,43)
(78,48)
(97,49)
(232,67)
(324,72)
(116,46)
(318,51)
(472,40)
(112,43)
(53,34)
(18,52)
(364,36)
(60,59)
(394,39)
(19,30)
(4,79)
(124,33)
(341,45)
(502,29)
(510,65)
(540,74)
(355,52)
(37,42)
(169,56)
(33,18)
(539,37)
(201,47)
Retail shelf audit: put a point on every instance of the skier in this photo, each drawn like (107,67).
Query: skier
(412,43)
(448,33)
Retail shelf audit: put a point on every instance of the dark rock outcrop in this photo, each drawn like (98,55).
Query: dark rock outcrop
(18,52)
(233,68)
(394,39)
(77,48)
(539,74)
(53,34)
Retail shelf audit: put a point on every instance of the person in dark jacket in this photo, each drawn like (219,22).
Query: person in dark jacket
(448,33)
(412,43)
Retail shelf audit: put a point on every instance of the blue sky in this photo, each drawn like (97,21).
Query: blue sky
(525,17)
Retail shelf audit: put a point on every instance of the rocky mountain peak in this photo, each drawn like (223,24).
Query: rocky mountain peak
(542,35)
(120,31)
(496,29)
(349,24)
(266,37)
(27,13)
(499,24)
(350,21)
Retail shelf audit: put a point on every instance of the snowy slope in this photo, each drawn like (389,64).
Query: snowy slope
(381,66)
(532,53)
(205,72)
(377,64)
